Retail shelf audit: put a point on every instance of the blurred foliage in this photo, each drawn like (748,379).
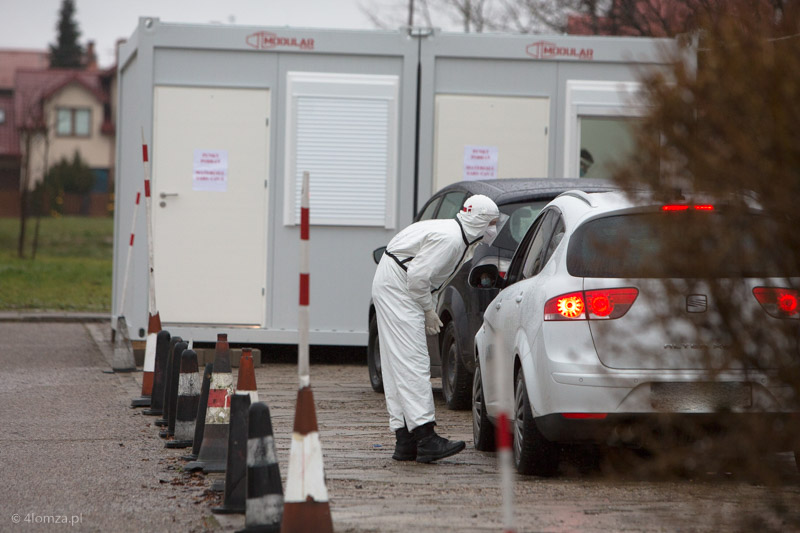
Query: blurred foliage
(731,124)
(728,126)
(67,52)
(64,177)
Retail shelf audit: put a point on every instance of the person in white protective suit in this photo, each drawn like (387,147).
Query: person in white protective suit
(417,263)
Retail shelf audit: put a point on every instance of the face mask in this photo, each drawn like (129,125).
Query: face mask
(490,235)
(486,282)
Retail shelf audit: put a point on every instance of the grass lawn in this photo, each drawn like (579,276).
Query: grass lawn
(71,271)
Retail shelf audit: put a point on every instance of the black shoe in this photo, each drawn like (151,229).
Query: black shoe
(406,447)
(431,447)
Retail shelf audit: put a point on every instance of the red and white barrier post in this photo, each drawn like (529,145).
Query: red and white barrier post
(306,505)
(123,360)
(505,456)
(154,320)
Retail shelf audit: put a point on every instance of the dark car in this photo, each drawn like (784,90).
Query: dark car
(460,306)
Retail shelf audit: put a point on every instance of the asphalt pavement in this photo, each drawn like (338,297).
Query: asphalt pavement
(74,456)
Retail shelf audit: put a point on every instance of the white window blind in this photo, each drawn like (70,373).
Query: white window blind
(342,129)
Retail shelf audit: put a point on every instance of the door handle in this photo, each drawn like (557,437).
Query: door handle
(163,196)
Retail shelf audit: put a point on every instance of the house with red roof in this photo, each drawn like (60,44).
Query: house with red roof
(48,115)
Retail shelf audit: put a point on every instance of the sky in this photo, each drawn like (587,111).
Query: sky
(31,24)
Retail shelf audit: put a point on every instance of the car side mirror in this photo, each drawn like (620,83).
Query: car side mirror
(486,277)
(377,253)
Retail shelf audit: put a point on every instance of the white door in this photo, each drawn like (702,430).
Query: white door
(513,128)
(210,234)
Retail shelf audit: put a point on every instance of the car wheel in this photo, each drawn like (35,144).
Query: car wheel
(374,356)
(482,428)
(533,453)
(456,379)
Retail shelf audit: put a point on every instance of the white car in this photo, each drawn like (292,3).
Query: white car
(592,332)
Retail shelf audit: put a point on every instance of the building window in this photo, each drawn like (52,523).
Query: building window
(71,122)
(605,142)
(342,128)
(598,125)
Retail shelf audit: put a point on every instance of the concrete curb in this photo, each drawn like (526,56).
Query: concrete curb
(53,316)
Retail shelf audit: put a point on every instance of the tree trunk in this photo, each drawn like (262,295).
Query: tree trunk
(24,200)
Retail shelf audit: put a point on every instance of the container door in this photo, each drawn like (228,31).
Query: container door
(210,165)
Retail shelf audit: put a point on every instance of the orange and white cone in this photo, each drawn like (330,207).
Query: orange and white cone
(306,506)
(153,328)
(246,381)
(213,455)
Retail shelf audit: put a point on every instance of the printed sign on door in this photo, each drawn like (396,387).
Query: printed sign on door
(480,162)
(210,170)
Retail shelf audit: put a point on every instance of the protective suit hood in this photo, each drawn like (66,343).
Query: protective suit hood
(475,216)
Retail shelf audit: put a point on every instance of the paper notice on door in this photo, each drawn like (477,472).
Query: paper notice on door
(480,162)
(210,171)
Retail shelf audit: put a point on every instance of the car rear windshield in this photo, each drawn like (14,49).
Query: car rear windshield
(520,217)
(677,245)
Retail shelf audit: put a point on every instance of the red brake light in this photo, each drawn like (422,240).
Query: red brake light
(584,416)
(684,207)
(600,304)
(778,302)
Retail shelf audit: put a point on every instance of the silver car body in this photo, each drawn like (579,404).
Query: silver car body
(625,365)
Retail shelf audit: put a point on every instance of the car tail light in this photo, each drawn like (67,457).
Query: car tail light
(584,416)
(569,306)
(685,207)
(599,304)
(778,302)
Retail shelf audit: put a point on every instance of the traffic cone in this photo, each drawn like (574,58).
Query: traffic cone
(189,384)
(264,505)
(168,366)
(246,381)
(153,327)
(200,420)
(123,360)
(214,448)
(174,381)
(236,467)
(306,506)
(159,373)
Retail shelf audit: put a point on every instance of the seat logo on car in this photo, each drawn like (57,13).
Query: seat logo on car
(696,303)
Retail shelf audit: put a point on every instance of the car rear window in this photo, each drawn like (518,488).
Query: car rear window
(676,245)
(520,217)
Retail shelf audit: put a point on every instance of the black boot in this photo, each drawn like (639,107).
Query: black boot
(406,447)
(431,446)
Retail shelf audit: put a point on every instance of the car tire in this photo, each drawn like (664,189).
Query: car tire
(483,431)
(374,356)
(456,379)
(533,453)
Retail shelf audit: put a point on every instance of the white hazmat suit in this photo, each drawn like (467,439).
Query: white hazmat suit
(418,262)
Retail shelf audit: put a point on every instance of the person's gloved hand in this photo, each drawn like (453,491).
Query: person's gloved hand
(432,323)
